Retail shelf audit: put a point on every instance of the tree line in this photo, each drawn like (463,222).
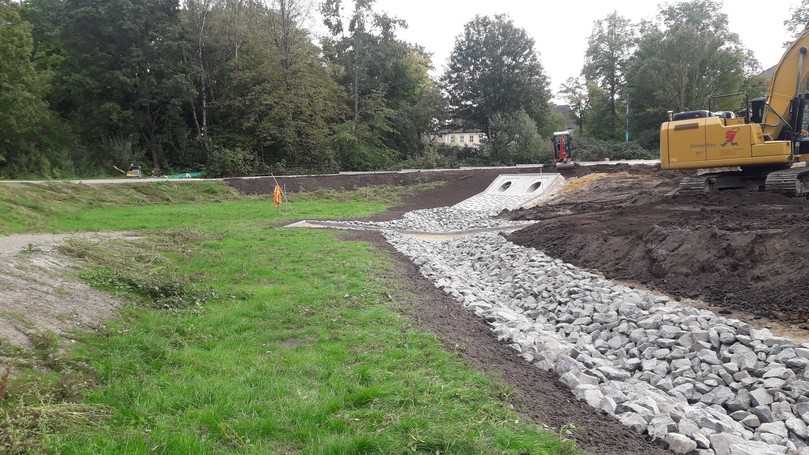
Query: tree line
(237,87)
(635,72)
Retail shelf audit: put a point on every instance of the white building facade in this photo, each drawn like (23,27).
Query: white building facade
(459,138)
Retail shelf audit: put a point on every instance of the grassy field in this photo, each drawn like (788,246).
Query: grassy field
(246,338)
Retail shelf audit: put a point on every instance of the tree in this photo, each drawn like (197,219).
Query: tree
(123,74)
(33,139)
(270,95)
(798,19)
(608,52)
(197,16)
(515,139)
(494,69)
(575,92)
(682,59)
(392,99)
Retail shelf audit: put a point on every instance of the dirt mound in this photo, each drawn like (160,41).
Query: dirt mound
(738,250)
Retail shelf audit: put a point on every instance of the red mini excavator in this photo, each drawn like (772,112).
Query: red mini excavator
(563,149)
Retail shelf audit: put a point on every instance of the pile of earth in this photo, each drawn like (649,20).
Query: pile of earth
(738,250)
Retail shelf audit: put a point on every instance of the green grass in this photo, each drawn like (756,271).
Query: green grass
(272,341)
(72,208)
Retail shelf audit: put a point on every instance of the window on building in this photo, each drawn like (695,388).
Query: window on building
(452,138)
(471,139)
(463,139)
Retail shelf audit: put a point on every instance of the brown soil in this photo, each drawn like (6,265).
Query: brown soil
(537,395)
(39,292)
(736,250)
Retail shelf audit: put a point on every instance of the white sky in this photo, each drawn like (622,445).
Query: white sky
(561,27)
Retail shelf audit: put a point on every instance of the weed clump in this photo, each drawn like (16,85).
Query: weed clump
(160,291)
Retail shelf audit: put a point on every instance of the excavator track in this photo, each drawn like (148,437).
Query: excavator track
(790,182)
(710,182)
(697,184)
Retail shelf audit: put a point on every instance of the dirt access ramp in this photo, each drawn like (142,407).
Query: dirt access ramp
(40,292)
(738,250)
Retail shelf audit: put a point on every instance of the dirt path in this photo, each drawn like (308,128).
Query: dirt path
(39,292)
(537,395)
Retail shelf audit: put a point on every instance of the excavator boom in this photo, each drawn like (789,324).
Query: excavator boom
(788,80)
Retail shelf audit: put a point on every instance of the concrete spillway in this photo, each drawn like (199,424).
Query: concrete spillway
(514,191)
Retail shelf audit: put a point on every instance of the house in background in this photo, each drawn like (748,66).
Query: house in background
(459,138)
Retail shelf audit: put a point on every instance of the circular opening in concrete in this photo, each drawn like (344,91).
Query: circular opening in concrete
(534,187)
(505,186)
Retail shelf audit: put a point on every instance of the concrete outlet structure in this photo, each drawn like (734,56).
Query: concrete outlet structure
(514,191)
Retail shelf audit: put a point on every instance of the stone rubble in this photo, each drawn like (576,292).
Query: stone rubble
(438,220)
(702,383)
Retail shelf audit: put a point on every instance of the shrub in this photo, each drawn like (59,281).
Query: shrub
(592,149)
(515,140)
(235,162)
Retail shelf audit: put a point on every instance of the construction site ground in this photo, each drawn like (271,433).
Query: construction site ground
(738,251)
(742,253)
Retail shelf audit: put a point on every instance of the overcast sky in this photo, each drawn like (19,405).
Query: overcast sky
(561,27)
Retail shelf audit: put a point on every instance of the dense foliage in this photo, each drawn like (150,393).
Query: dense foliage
(238,87)
(230,86)
(675,62)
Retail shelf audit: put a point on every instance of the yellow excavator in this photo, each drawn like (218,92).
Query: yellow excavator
(766,145)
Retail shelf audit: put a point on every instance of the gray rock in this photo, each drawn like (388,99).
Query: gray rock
(679,443)
(781,411)
(797,363)
(763,413)
(592,397)
(798,427)
(776,428)
(723,442)
(702,440)
(739,415)
(777,372)
(687,427)
(741,402)
(744,357)
(773,383)
(760,397)
(614,373)
(617,341)
(660,426)
(680,365)
(719,395)
(772,439)
(634,421)
(608,405)
(708,356)
(756,448)
(670,331)
(751,421)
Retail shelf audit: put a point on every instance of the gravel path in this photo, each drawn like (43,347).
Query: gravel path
(703,383)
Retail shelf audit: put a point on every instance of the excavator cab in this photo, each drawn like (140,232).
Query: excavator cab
(798,130)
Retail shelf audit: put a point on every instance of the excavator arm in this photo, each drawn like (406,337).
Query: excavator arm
(787,82)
